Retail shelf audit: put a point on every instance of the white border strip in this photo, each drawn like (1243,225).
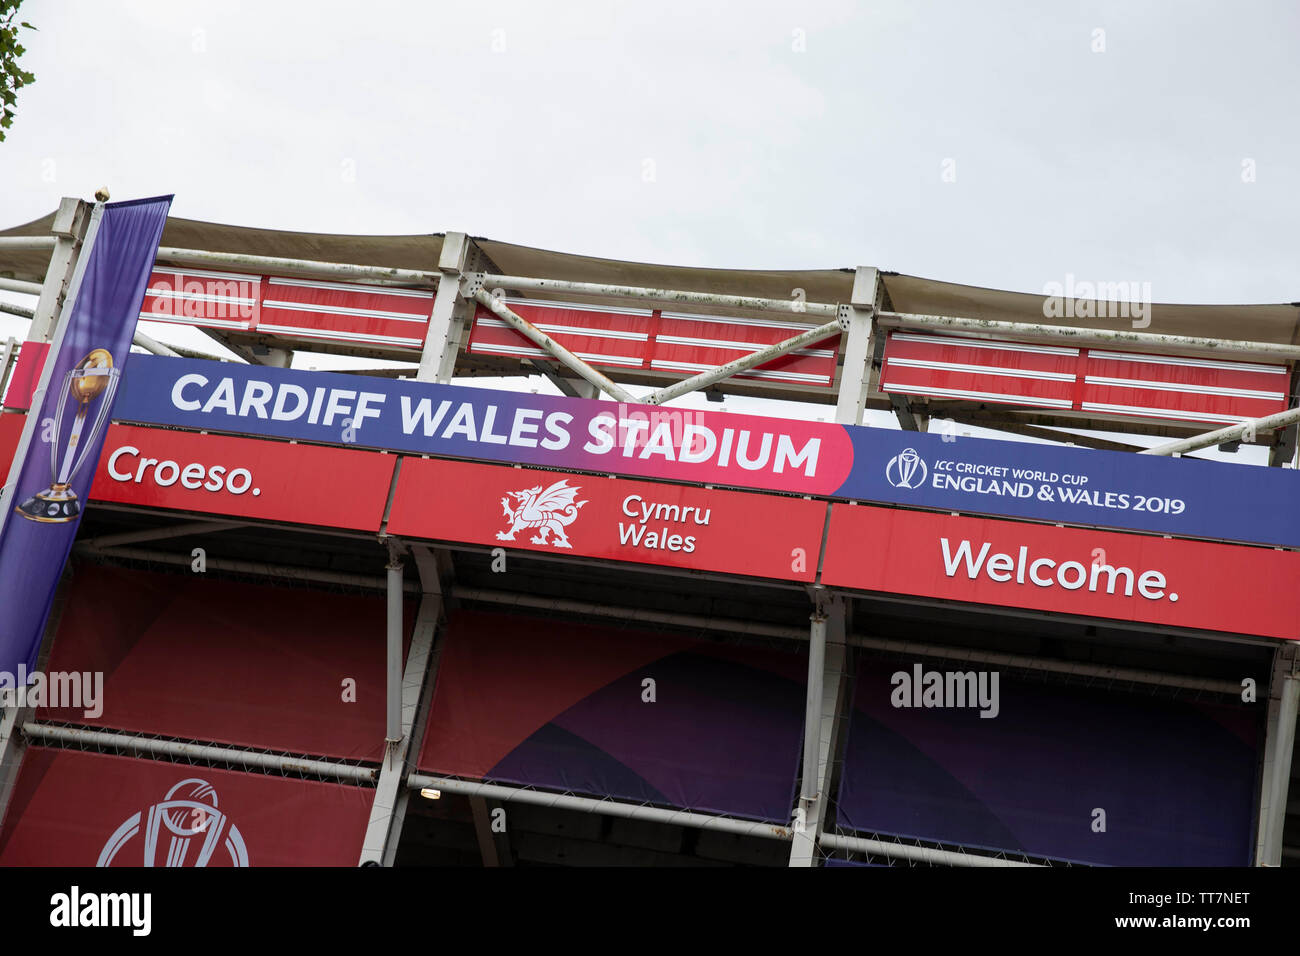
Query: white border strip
(979,396)
(1180,387)
(576,306)
(496,323)
(528,351)
(1165,413)
(196,322)
(983,344)
(729,320)
(352,287)
(219,276)
(343,310)
(983,370)
(747,347)
(329,334)
(748,373)
(200,297)
(1102,355)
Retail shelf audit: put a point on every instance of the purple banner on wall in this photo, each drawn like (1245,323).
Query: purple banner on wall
(1175,778)
(615,712)
(51,473)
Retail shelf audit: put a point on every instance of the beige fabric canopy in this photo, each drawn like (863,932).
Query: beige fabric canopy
(1277,324)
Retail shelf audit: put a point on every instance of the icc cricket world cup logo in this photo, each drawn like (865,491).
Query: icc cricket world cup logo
(188,814)
(906,470)
(93,379)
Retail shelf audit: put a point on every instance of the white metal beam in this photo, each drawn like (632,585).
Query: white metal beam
(1279,744)
(69,228)
(827,659)
(395,596)
(232,756)
(30,243)
(20,285)
(442,341)
(1073,335)
(767,354)
(548,344)
(916,854)
(858,318)
(8,356)
(387,812)
(1231,433)
(613,808)
(272,265)
(150,344)
(663,296)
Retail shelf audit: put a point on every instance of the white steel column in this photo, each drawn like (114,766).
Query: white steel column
(396,598)
(826,688)
(8,356)
(388,811)
(438,360)
(858,320)
(1279,743)
(69,229)
(13,741)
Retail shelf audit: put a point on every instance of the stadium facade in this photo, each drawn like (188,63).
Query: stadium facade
(387,616)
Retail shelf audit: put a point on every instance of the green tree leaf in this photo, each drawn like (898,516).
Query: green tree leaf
(12,77)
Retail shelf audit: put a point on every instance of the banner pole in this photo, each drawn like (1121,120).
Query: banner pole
(81,255)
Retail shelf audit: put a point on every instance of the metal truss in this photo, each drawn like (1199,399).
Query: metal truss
(177,749)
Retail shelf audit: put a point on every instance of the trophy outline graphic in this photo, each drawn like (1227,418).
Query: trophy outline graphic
(199,805)
(94,377)
(906,464)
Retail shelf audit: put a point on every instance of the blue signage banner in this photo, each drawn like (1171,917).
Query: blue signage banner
(1182,497)
(52,470)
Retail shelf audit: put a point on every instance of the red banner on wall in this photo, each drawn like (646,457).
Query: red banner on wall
(673,525)
(71,808)
(1064,570)
(216,474)
(250,665)
(26,375)
(11,429)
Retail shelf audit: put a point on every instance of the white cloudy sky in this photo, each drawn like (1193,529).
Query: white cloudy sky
(739,134)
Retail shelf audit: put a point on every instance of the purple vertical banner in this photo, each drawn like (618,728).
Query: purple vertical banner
(51,473)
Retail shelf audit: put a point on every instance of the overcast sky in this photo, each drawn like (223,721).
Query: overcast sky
(998,144)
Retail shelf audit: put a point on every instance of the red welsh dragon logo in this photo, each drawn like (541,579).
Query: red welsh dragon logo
(548,510)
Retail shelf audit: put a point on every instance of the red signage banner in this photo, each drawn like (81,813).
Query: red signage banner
(26,375)
(238,663)
(609,518)
(1064,570)
(11,429)
(71,808)
(250,478)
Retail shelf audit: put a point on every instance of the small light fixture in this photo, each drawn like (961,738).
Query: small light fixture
(430,794)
